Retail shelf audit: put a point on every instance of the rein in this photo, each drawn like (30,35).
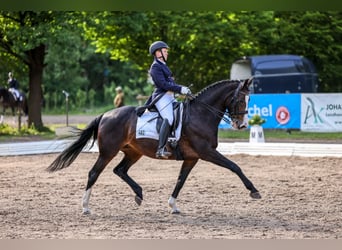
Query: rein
(218,113)
(224,114)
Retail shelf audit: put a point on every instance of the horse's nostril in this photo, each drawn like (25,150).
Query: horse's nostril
(242,126)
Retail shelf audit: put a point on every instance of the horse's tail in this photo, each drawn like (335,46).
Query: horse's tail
(69,154)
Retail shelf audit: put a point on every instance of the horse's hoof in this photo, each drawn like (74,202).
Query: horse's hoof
(255,195)
(86,211)
(138,200)
(175,211)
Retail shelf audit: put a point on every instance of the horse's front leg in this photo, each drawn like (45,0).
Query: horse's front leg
(215,157)
(183,174)
(13,111)
(2,116)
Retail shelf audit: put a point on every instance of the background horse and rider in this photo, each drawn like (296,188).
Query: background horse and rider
(7,100)
(115,131)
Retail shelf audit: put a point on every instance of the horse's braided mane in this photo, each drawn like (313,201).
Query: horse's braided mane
(214,85)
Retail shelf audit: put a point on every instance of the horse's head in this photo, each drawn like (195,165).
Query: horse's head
(237,107)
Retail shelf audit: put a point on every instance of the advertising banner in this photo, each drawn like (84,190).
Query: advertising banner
(321,112)
(281,111)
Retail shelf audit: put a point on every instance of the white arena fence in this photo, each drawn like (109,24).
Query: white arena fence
(273,149)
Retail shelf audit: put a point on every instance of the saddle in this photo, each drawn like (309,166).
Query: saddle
(149,114)
(149,122)
(16,98)
(177,112)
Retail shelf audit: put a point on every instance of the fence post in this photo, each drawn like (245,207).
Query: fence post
(66,106)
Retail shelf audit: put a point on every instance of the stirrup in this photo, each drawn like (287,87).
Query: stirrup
(163,153)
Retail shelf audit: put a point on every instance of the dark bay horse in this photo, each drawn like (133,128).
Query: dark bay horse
(115,130)
(7,100)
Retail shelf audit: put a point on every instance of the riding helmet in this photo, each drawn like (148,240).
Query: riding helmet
(157,45)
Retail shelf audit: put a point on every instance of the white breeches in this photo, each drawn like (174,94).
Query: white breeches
(15,92)
(165,107)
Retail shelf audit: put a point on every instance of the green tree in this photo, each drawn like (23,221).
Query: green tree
(26,37)
(204,44)
(313,34)
(318,36)
(64,69)
(199,41)
(96,51)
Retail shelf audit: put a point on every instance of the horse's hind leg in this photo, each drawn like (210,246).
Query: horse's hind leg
(121,170)
(93,174)
(183,175)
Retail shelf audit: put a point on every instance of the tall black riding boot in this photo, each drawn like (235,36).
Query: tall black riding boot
(163,136)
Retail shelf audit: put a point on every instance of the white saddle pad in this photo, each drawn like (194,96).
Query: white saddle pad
(147,125)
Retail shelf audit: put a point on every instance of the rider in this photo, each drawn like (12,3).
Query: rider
(165,86)
(13,86)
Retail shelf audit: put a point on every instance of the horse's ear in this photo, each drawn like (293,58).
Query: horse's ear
(248,82)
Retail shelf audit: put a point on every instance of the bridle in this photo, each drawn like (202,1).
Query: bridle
(227,116)
(236,101)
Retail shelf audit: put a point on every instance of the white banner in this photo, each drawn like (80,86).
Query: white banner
(321,112)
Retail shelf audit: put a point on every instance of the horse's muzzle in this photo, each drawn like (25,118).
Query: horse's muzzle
(242,126)
(238,124)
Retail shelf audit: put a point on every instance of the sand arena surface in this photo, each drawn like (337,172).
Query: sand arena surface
(301,198)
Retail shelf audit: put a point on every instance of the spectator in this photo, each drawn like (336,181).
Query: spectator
(119,98)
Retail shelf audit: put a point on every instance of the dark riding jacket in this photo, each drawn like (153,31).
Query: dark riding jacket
(13,83)
(163,79)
